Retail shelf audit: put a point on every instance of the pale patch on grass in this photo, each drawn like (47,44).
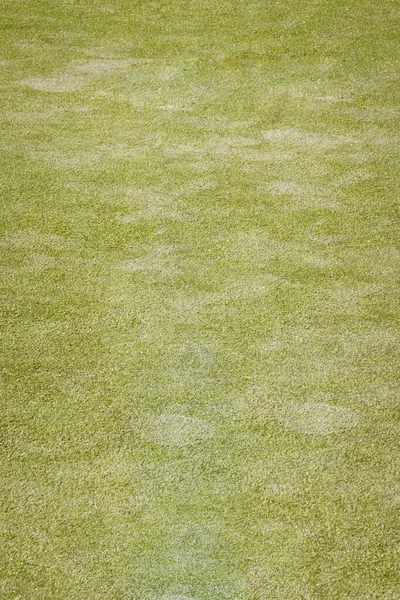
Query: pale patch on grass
(126,218)
(256,247)
(260,155)
(354,293)
(289,23)
(174,107)
(386,138)
(78,383)
(319,262)
(272,582)
(306,140)
(304,194)
(107,10)
(98,67)
(190,308)
(329,238)
(287,187)
(273,476)
(389,496)
(27,44)
(193,363)
(218,123)
(375,339)
(279,489)
(235,146)
(76,75)
(253,247)
(372,114)
(331,99)
(229,145)
(39,262)
(33,116)
(300,190)
(176,597)
(196,358)
(321,103)
(382,263)
(151,203)
(271,528)
(181,149)
(140,61)
(177,430)
(316,418)
(62,158)
(57,82)
(251,287)
(380,396)
(192,187)
(108,52)
(145,203)
(272,345)
(234,142)
(158,262)
(353,176)
(34,239)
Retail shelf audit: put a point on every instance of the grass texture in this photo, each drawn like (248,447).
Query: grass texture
(199,296)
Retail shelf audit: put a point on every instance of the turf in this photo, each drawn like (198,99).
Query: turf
(199,294)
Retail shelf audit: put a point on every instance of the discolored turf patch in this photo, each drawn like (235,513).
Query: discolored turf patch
(75,75)
(56,83)
(305,140)
(177,597)
(177,430)
(98,67)
(31,239)
(39,262)
(193,363)
(316,418)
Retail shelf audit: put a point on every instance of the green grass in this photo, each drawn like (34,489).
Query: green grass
(199,296)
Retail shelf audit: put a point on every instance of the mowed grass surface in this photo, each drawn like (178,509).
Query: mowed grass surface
(199,293)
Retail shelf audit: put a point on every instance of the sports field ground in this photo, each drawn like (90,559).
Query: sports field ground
(199,276)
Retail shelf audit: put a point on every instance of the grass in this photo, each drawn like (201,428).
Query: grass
(199,294)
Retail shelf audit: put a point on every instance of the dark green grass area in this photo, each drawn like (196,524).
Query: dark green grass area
(199,263)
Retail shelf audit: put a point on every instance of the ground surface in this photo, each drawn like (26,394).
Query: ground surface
(199,262)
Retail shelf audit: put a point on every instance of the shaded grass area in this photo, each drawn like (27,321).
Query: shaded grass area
(199,293)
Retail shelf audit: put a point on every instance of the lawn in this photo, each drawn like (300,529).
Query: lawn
(199,263)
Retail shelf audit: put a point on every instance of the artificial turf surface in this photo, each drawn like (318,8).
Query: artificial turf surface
(199,295)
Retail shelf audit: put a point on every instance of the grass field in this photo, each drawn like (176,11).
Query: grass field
(199,248)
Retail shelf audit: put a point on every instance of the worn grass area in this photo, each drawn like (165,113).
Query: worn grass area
(199,263)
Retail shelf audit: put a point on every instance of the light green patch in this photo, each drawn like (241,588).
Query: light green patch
(39,262)
(34,239)
(316,418)
(76,75)
(177,430)
(305,140)
(98,67)
(58,82)
(176,597)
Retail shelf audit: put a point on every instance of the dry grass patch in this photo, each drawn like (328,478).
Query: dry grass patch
(29,239)
(305,140)
(316,418)
(177,430)
(58,82)
(102,66)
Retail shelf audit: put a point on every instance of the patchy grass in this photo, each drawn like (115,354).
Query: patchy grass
(199,293)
